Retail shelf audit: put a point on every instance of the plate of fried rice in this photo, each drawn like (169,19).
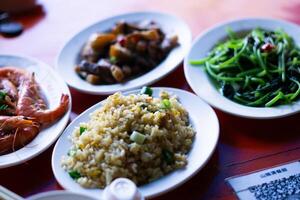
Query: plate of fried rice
(156,137)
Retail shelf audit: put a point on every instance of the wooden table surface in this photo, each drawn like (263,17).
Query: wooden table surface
(245,144)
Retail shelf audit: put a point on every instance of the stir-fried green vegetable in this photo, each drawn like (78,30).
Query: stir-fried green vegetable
(261,69)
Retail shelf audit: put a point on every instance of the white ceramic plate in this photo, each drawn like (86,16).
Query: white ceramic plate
(52,86)
(68,56)
(60,195)
(204,121)
(203,86)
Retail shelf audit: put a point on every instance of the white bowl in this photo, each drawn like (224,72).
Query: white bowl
(68,56)
(204,121)
(52,86)
(202,84)
(60,195)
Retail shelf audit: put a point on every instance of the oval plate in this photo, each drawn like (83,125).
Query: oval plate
(59,195)
(68,56)
(52,86)
(204,121)
(204,87)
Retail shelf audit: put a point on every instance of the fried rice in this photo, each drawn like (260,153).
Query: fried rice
(103,148)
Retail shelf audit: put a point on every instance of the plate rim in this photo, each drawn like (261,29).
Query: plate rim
(66,115)
(54,193)
(186,66)
(173,90)
(126,14)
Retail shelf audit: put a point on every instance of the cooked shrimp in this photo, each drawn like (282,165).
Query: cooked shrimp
(10,79)
(22,96)
(8,87)
(14,75)
(30,104)
(16,131)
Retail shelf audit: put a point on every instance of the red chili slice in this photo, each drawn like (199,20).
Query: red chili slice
(267,47)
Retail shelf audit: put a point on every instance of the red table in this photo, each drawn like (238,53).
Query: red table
(245,144)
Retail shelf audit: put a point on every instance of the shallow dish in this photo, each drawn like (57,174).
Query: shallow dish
(203,85)
(59,195)
(68,56)
(204,121)
(52,86)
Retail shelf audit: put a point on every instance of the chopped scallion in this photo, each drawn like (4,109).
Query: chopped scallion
(137,137)
(166,103)
(72,152)
(146,90)
(74,174)
(113,59)
(168,156)
(82,129)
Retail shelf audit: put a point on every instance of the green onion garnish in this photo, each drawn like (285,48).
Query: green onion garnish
(72,152)
(113,59)
(166,104)
(137,137)
(146,90)
(3,107)
(82,129)
(168,156)
(74,174)
(2,95)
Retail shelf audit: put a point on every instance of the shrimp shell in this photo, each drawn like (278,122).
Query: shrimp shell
(14,75)
(30,104)
(16,131)
(24,98)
